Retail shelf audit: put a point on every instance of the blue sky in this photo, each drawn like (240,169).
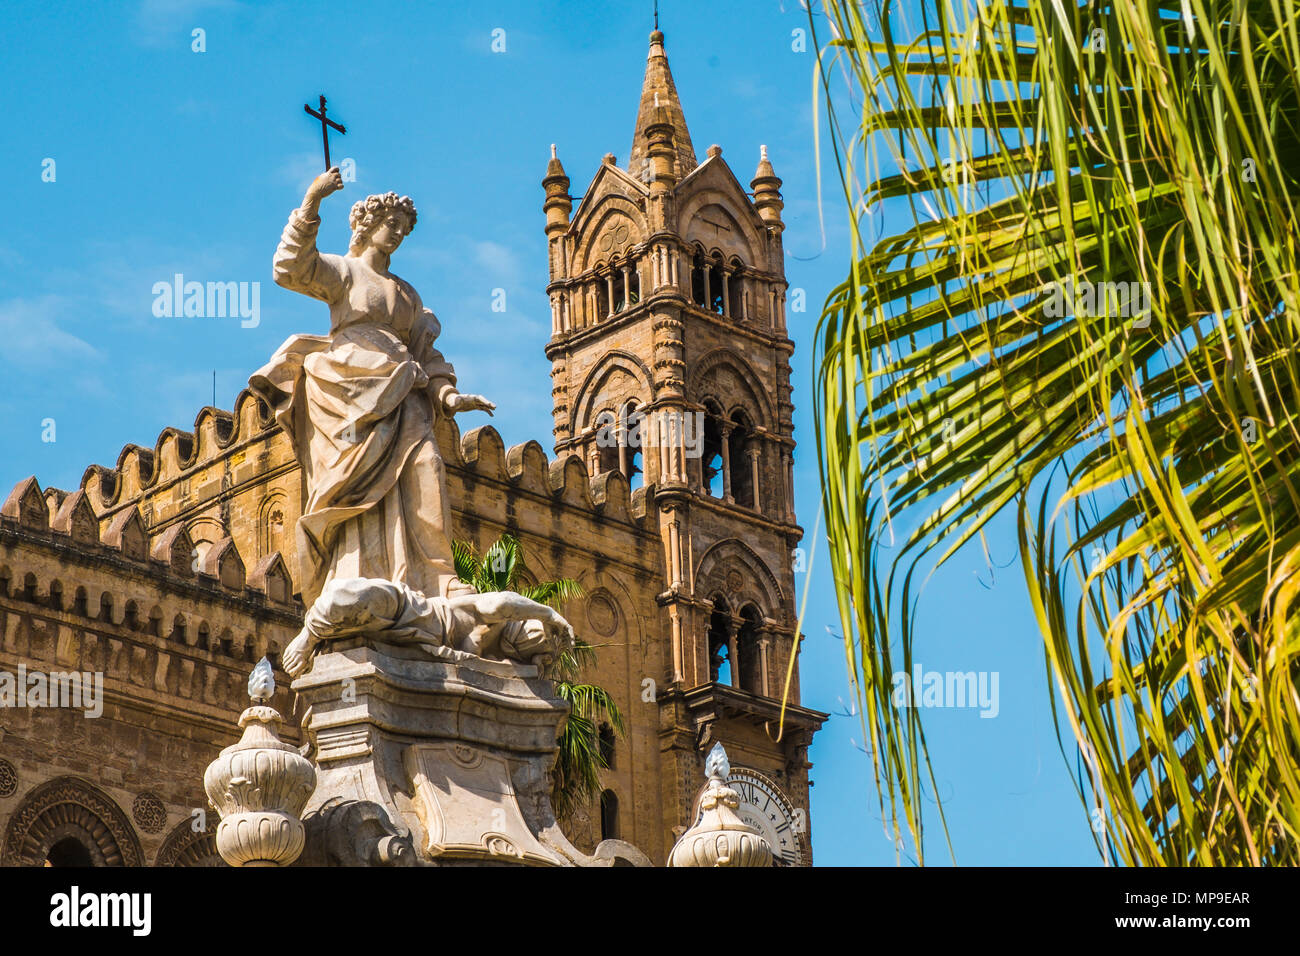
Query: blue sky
(172,161)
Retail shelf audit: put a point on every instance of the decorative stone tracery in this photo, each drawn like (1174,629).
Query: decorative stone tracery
(186,846)
(67,808)
(149,813)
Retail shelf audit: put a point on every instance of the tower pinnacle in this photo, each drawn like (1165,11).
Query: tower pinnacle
(658,93)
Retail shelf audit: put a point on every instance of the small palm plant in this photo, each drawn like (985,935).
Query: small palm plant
(576,776)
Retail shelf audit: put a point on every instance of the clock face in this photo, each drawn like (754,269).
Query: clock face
(765,808)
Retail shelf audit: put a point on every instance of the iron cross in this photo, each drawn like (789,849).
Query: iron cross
(325,125)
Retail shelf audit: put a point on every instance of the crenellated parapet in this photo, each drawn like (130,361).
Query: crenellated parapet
(164,631)
(177,454)
(166,561)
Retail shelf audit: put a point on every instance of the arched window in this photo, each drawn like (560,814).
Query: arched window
(620,292)
(750,658)
(29,587)
(608,815)
(131,616)
(608,442)
(68,821)
(56,595)
(736,291)
(603,305)
(106,607)
(711,456)
(716,288)
(699,276)
(631,438)
(740,442)
(720,643)
(79,603)
(606,739)
(178,629)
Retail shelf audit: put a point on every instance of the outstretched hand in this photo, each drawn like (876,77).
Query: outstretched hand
(469,403)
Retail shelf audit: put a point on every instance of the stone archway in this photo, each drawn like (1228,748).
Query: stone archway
(70,821)
(185,846)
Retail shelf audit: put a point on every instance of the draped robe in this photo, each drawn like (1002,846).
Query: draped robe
(359,406)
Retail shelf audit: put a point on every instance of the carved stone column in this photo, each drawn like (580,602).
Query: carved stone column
(726,462)
(755,453)
(733,650)
(764,646)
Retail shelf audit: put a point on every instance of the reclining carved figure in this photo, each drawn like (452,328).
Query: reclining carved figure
(499,624)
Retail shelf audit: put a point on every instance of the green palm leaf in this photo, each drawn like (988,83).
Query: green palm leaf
(1147,454)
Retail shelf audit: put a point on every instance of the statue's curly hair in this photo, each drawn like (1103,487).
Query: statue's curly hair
(367,213)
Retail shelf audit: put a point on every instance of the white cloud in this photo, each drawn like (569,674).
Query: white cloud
(30,336)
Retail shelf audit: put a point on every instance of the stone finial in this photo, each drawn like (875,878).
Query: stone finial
(261,683)
(720,837)
(767,192)
(717,766)
(260,785)
(558,203)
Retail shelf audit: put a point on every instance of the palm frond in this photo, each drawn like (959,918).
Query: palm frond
(982,359)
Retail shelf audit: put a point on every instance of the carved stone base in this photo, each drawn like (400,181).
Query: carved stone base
(454,750)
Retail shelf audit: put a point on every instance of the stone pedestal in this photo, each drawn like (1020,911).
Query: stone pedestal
(453,750)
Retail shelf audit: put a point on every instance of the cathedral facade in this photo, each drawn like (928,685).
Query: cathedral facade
(669,499)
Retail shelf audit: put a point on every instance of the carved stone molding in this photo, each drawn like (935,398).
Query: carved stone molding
(8,779)
(68,807)
(185,846)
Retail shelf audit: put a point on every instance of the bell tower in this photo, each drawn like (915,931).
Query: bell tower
(671,364)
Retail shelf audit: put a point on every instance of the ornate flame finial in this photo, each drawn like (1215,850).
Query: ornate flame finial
(260,785)
(717,766)
(261,683)
(720,837)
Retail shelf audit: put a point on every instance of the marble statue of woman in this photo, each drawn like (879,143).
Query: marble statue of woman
(359,406)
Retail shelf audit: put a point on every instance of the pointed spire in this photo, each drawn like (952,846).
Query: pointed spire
(767,192)
(558,203)
(659,95)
